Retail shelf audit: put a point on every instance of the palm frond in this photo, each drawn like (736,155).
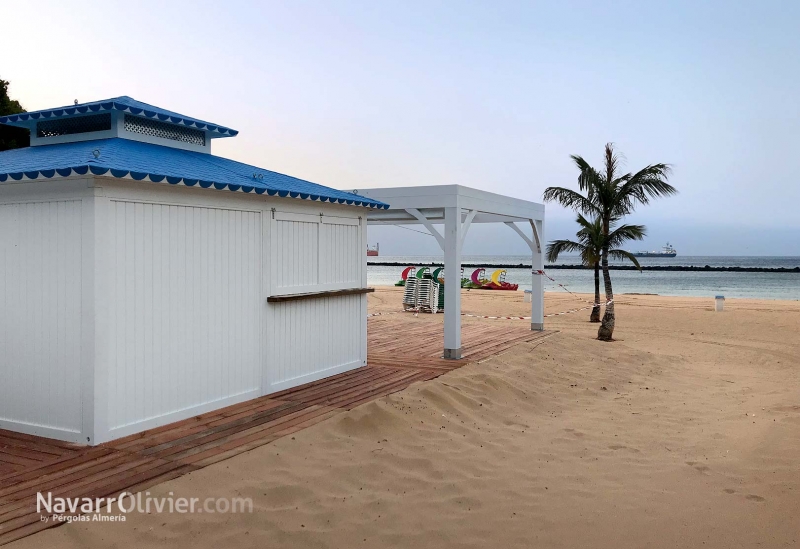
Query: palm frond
(558,247)
(590,235)
(569,199)
(623,254)
(612,162)
(589,179)
(648,183)
(585,223)
(626,232)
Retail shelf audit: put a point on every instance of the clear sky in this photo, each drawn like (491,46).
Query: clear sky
(494,95)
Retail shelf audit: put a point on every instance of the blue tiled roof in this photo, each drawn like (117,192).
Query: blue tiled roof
(124,104)
(122,158)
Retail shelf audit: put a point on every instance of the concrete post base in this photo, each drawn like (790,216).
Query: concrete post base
(452,354)
(537,326)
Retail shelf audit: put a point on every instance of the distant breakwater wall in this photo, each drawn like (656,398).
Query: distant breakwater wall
(705,268)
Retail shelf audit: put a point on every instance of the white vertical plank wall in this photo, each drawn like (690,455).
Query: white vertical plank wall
(185,318)
(40,317)
(312,339)
(297,265)
(315,338)
(340,252)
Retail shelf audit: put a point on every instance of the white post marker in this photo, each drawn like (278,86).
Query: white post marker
(719,301)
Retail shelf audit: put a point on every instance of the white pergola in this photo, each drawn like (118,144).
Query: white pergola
(458,207)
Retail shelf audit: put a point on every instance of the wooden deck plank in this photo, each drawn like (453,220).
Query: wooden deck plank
(38,446)
(144,438)
(233,440)
(335,398)
(70,481)
(383,391)
(179,447)
(79,467)
(110,486)
(491,349)
(49,442)
(83,459)
(14,512)
(319,394)
(280,395)
(393,361)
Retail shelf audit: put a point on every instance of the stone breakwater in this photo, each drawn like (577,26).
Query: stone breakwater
(704,268)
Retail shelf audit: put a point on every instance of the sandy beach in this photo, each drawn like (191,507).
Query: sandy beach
(685,432)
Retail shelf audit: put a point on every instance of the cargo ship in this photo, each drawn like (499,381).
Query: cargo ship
(373,252)
(666,251)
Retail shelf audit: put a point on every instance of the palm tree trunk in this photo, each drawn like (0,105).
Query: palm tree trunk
(596,309)
(606,330)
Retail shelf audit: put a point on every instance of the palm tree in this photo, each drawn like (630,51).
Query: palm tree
(590,247)
(610,196)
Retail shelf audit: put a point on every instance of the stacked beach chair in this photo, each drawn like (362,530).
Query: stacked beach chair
(428,296)
(423,293)
(410,294)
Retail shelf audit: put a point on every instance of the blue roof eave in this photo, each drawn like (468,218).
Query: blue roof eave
(189,182)
(121,105)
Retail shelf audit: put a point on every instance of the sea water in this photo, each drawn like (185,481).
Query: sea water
(668,283)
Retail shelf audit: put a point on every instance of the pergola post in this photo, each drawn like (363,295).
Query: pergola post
(452,286)
(537,282)
(537,268)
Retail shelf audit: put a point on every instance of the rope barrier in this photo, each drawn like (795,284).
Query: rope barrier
(592,306)
(579,298)
(382,314)
(529,318)
(541,272)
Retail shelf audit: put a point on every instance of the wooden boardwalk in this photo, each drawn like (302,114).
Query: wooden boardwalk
(402,350)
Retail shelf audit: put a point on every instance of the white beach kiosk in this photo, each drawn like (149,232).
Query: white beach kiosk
(457,207)
(144,280)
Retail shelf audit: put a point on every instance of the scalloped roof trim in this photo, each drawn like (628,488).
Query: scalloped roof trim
(156,178)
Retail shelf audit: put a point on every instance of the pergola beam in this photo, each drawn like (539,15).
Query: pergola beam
(465,227)
(428,225)
(527,240)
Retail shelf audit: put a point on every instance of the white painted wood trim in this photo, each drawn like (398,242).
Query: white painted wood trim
(162,202)
(364,298)
(48,432)
(295,381)
(103,247)
(301,217)
(267,275)
(139,426)
(88,339)
(332,220)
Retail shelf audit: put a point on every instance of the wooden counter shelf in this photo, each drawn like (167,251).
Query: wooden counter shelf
(315,295)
